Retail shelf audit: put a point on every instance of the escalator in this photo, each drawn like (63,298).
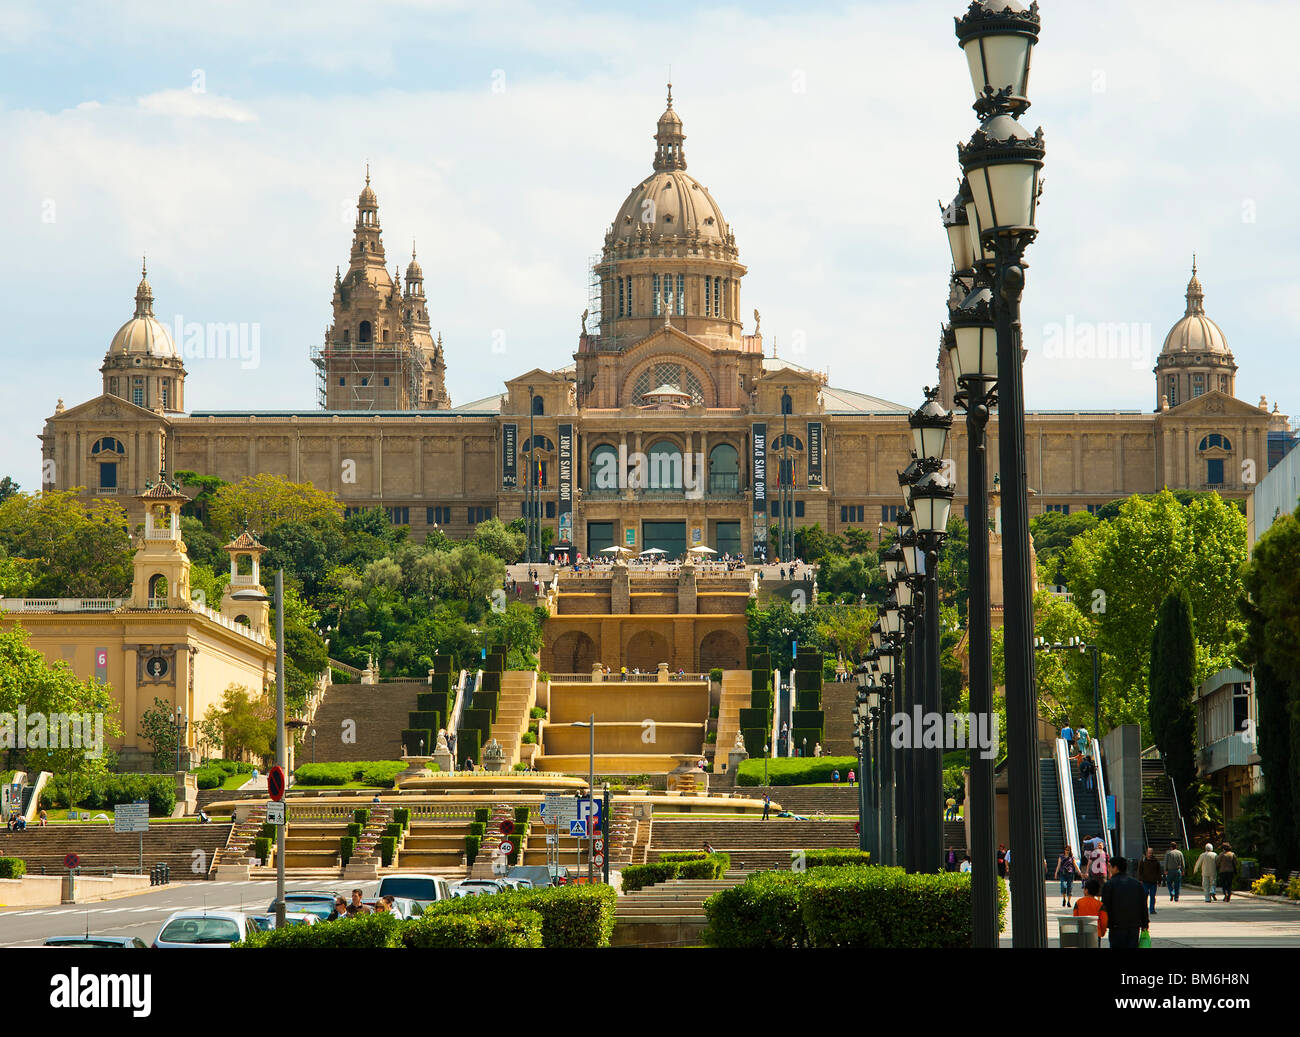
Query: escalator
(1053,828)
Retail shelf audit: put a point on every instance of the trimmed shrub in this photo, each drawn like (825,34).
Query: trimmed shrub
(472,843)
(754,718)
(393,828)
(12,867)
(762,912)
(521,815)
(262,848)
(482,814)
(516,929)
(402,816)
(377,772)
(572,916)
(355,830)
(387,849)
(807,700)
(469,744)
(478,829)
(346,845)
(832,857)
(365,932)
(105,791)
(361,815)
(806,770)
(715,674)
(413,737)
(684,855)
(705,866)
(383,774)
(1293,888)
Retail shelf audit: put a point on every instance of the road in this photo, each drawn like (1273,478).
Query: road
(142,914)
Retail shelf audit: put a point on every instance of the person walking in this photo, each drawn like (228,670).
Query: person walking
(1098,863)
(1226,866)
(1066,871)
(835,777)
(767,806)
(1002,860)
(950,811)
(1175,865)
(1067,734)
(1207,866)
(1125,903)
(1149,874)
(853,778)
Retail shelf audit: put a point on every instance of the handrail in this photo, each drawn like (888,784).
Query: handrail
(1177,809)
(1101,793)
(453,721)
(1065,789)
(775,749)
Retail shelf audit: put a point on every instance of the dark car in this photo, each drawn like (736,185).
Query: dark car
(84,942)
(313,902)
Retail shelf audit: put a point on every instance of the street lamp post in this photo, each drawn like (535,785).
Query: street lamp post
(591,794)
(1002,163)
(313,745)
(972,349)
(180,733)
(281,749)
(1078,644)
(888,797)
(532,482)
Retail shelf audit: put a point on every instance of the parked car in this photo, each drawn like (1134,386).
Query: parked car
(202,929)
(406,907)
(478,887)
(517,883)
(87,942)
(311,901)
(264,923)
(423,890)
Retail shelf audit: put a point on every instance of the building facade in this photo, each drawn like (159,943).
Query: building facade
(668,426)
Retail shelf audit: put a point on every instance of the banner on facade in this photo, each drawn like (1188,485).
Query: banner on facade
(509,456)
(564,512)
(814,453)
(758,469)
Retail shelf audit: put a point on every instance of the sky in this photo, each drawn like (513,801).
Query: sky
(228,142)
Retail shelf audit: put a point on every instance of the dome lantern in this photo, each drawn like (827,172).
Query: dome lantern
(668,138)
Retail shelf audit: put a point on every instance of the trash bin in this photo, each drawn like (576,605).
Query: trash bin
(1079,931)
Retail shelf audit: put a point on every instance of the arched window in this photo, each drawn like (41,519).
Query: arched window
(538,405)
(724,469)
(787,404)
(1215,441)
(1198,385)
(363,332)
(665,466)
(108,445)
(158,586)
(604,473)
(787,442)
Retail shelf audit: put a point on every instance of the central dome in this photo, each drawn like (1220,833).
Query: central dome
(143,334)
(1195,332)
(669,203)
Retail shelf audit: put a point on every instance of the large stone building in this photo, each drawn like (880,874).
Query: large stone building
(668,427)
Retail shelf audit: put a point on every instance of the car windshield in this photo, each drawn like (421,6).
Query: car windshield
(411,889)
(318,906)
(200,930)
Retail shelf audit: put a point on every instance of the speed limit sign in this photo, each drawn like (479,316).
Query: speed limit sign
(506,847)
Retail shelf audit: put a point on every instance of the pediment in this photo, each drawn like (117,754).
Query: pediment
(668,340)
(537,377)
(1214,404)
(111,408)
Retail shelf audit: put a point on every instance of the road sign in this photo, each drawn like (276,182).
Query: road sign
(131,817)
(857,827)
(599,860)
(275,813)
(563,809)
(275,783)
(71,861)
(506,847)
(507,826)
(600,845)
(578,828)
(589,808)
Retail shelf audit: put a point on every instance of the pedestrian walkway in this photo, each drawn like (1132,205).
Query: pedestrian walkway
(1245,921)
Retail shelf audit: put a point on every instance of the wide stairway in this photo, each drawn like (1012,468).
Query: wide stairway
(735,697)
(667,914)
(839,700)
(806,800)
(182,846)
(518,697)
(753,845)
(378,715)
(435,845)
(1159,812)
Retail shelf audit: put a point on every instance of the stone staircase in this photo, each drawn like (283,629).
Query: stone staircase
(379,713)
(183,847)
(492,837)
(735,697)
(238,849)
(434,846)
(518,697)
(753,845)
(806,799)
(667,914)
(839,699)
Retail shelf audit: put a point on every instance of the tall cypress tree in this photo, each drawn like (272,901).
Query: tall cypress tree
(1173,689)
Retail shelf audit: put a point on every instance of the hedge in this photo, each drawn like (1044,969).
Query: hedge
(360,815)
(262,849)
(478,828)
(387,849)
(472,843)
(521,815)
(355,829)
(346,845)
(805,770)
(684,855)
(12,867)
(372,772)
(518,929)
(482,814)
(830,857)
(572,916)
(846,907)
(105,791)
(367,932)
(393,828)
(412,737)
(709,866)
(402,816)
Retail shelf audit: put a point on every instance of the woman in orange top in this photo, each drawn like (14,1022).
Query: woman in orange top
(1090,904)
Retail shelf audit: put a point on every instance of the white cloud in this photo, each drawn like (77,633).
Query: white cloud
(192,104)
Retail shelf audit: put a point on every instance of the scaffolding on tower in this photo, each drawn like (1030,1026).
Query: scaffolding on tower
(363,365)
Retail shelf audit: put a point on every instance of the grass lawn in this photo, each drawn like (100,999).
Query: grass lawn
(57,817)
(346,785)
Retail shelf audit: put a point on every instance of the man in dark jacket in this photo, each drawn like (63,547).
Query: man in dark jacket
(1149,873)
(1125,903)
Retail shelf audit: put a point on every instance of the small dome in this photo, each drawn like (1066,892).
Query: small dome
(143,334)
(367,199)
(1195,332)
(413,271)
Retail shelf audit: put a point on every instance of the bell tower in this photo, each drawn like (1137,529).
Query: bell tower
(162,566)
(245,574)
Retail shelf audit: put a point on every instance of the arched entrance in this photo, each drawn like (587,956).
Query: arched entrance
(574,652)
(645,651)
(720,649)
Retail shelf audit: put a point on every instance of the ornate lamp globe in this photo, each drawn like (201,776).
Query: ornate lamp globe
(886,663)
(1002,162)
(957,226)
(998,37)
(891,618)
(903,591)
(913,555)
(891,561)
(931,503)
(930,424)
(973,350)
(862,673)
(876,634)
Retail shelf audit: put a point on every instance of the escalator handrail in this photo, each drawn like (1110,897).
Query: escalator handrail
(775,749)
(1065,791)
(1101,794)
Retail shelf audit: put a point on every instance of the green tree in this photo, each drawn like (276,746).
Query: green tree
(494,537)
(262,502)
(8,488)
(465,574)
(201,545)
(158,724)
(247,723)
(82,550)
(518,629)
(845,630)
(1052,534)
(768,626)
(1272,647)
(858,541)
(1173,690)
(954,566)
(201,489)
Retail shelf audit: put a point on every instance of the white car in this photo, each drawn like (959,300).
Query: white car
(203,929)
(266,922)
(477,887)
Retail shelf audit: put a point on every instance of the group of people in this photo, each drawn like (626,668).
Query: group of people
(1078,742)
(356,907)
(1095,865)
(16,822)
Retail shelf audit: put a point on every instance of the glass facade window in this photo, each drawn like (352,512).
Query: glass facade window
(681,295)
(655,295)
(1214,471)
